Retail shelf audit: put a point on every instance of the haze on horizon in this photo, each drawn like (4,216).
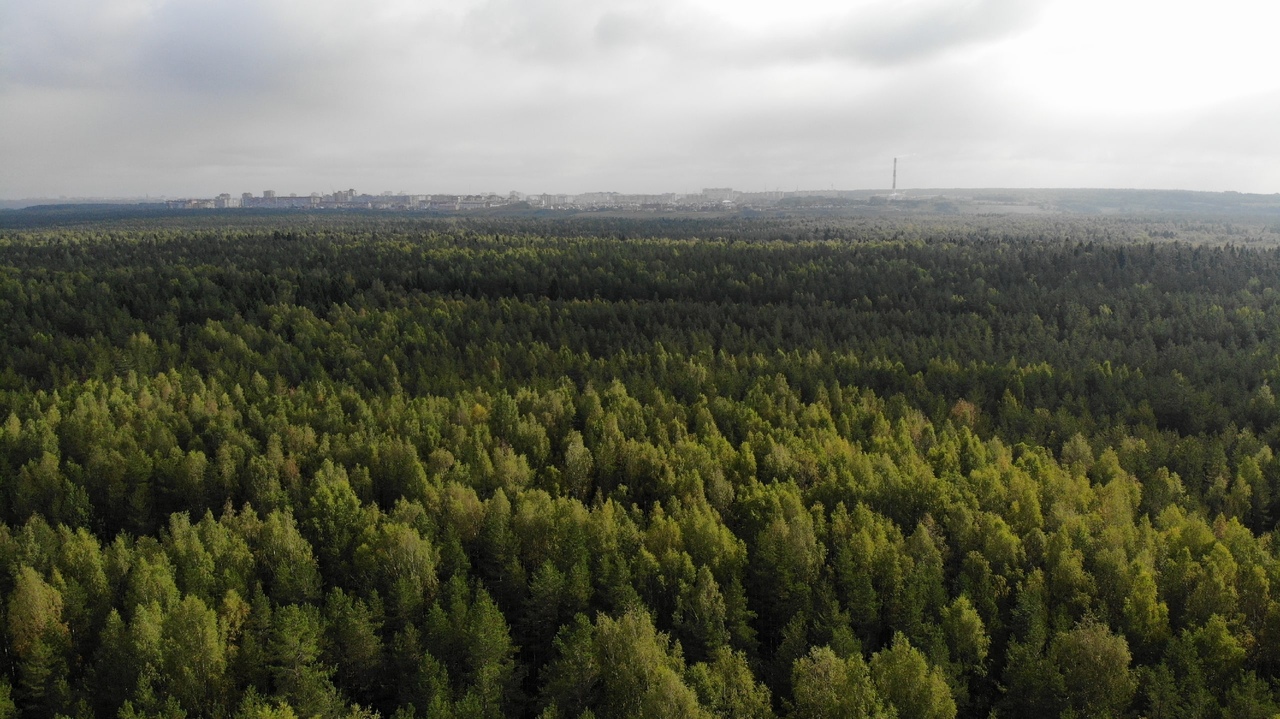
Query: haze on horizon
(197,97)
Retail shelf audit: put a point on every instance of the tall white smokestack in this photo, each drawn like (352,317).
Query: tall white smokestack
(895,174)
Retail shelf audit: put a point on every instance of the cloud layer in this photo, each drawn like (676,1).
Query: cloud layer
(123,97)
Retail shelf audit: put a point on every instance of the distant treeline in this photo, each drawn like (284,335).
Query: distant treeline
(930,205)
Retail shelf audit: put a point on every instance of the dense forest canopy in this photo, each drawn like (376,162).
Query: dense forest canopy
(359,465)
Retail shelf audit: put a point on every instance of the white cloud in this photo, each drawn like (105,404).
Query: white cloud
(204,96)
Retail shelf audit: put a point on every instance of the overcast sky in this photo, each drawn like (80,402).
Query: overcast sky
(197,97)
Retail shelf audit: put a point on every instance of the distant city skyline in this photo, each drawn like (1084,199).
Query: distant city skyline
(196,97)
(713,198)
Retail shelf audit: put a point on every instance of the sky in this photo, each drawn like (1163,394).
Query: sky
(122,98)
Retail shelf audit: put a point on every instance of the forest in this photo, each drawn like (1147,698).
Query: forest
(360,465)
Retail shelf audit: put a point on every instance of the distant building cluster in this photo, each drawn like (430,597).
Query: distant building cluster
(348,199)
(709,199)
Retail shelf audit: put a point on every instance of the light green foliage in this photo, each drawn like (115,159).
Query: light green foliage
(826,685)
(7,708)
(335,520)
(618,667)
(1146,616)
(288,559)
(255,707)
(966,635)
(904,678)
(39,639)
(578,467)
(728,689)
(193,656)
(1095,670)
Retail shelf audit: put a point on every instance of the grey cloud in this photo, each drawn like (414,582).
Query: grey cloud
(571,31)
(891,35)
(651,27)
(218,46)
(541,30)
(1244,127)
(76,43)
(850,139)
